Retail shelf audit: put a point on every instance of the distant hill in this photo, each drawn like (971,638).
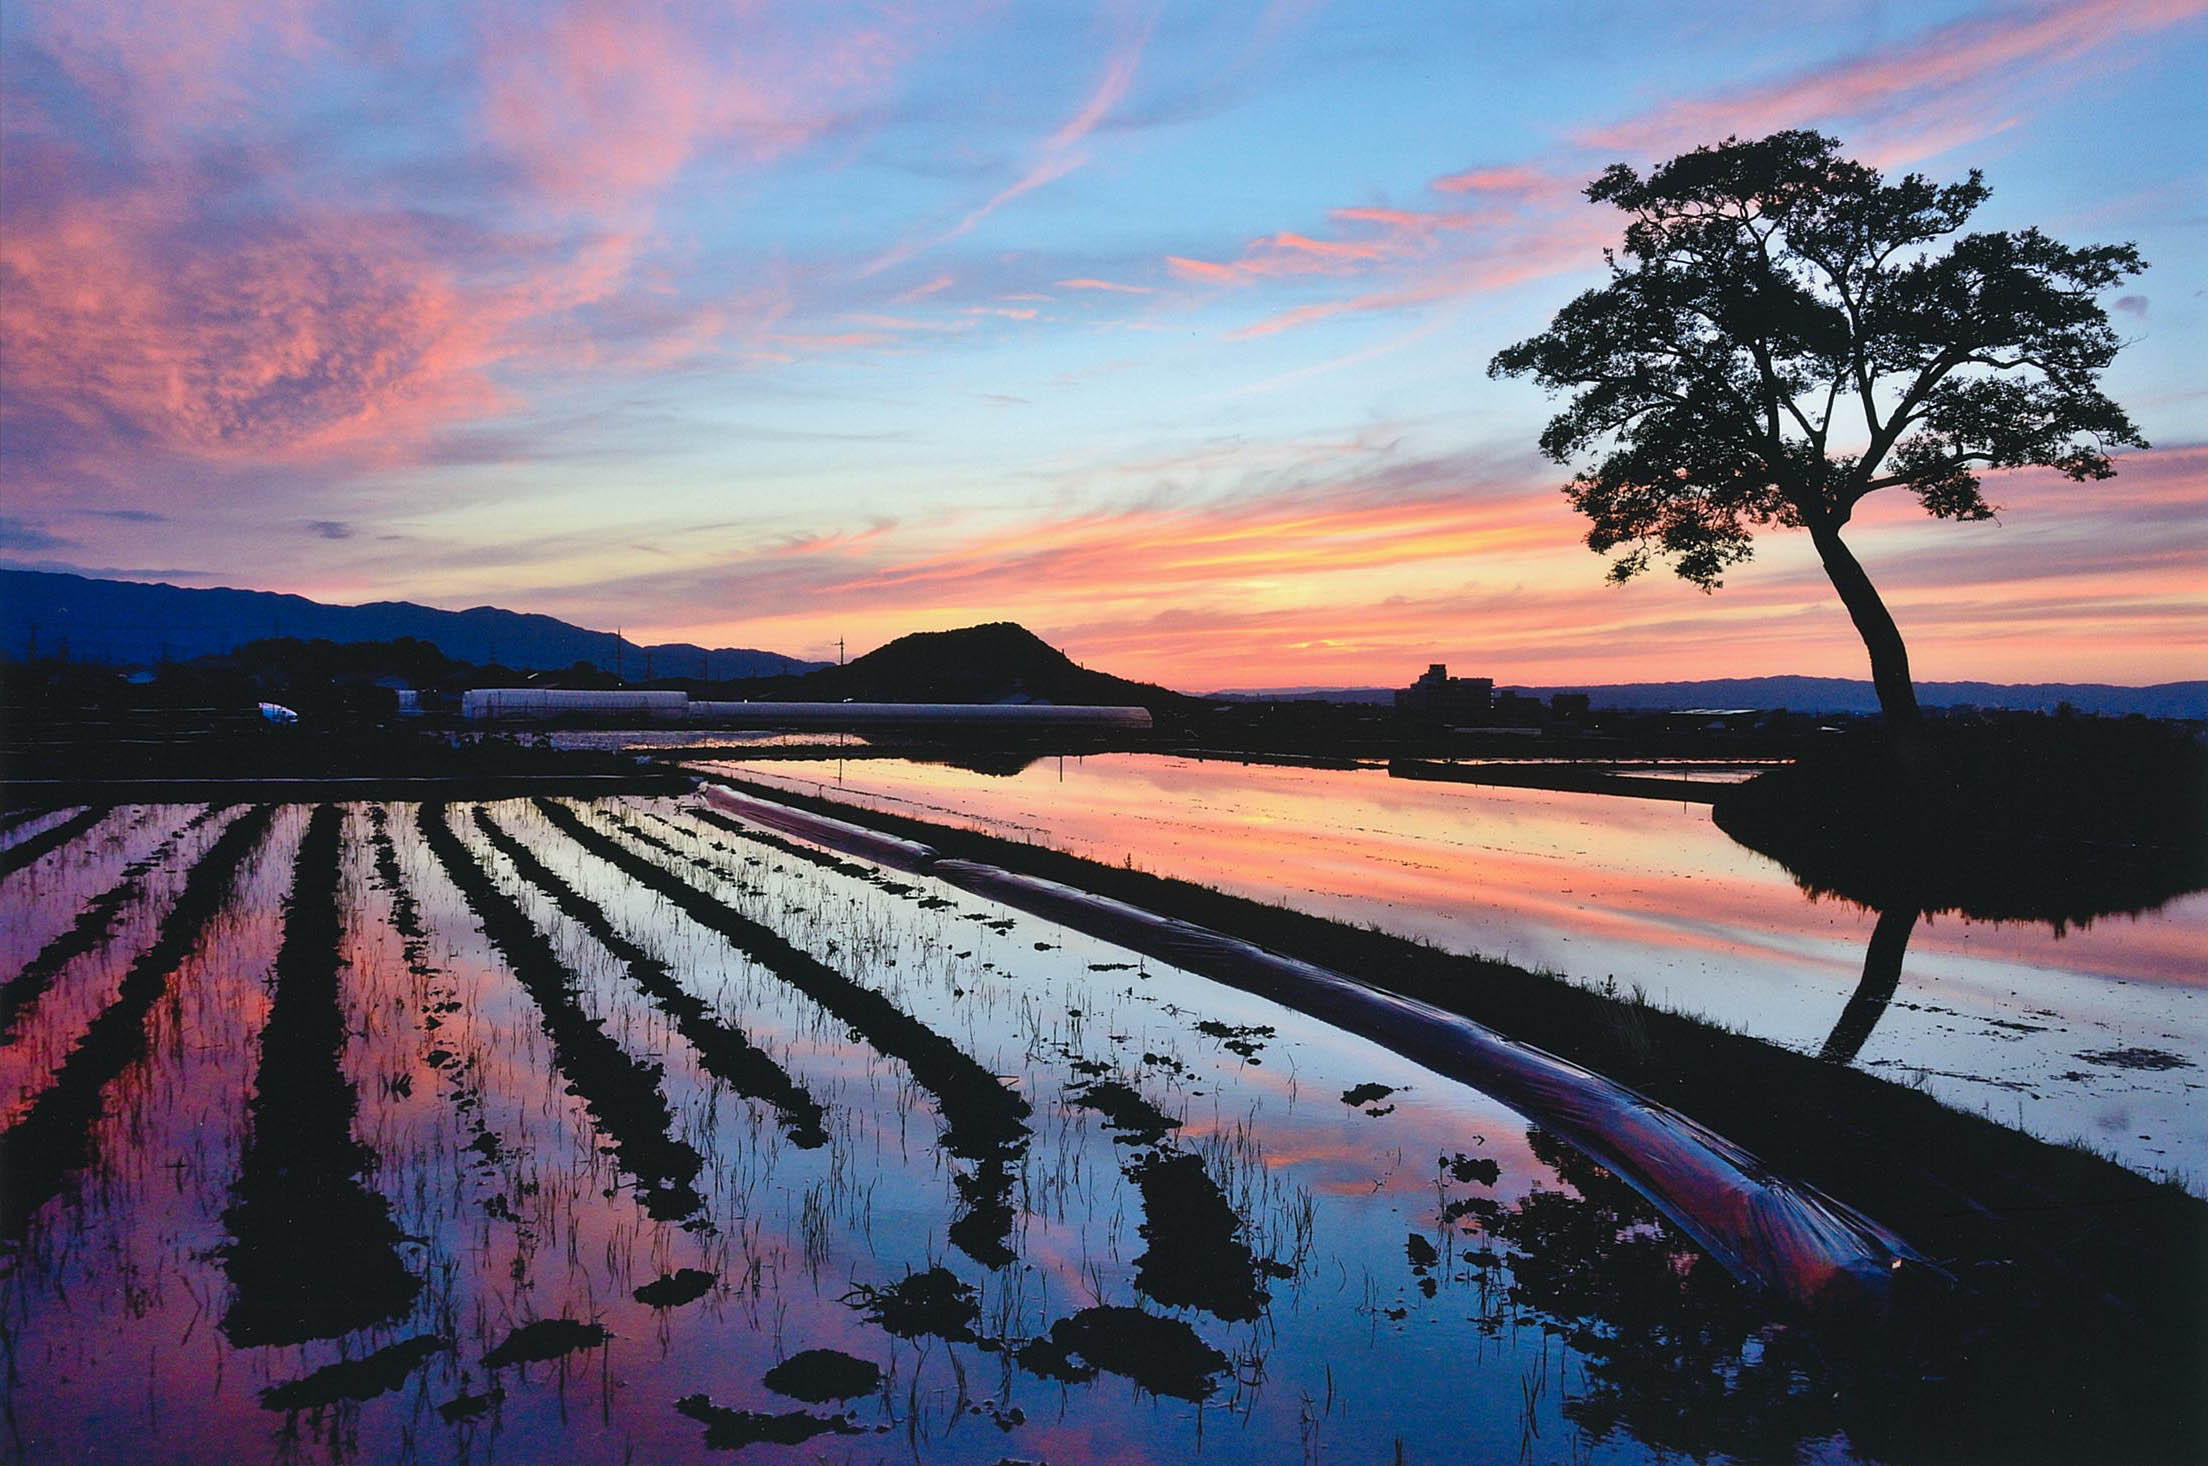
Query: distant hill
(130,623)
(998,662)
(1826,695)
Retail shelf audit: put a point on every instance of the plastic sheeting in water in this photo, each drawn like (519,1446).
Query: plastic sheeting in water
(1770,1232)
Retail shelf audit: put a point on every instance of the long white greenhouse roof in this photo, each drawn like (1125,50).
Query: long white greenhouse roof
(547,702)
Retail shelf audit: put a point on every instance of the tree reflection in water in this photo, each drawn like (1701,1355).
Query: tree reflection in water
(1674,1353)
(1881,976)
(2060,822)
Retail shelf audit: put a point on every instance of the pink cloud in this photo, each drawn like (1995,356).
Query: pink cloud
(1944,87)
(924,289)
(1511,252)
(321,331)
(1530,221)
(1409,220)
(1529,224)
(1494,180)
(213,296)
(167,74)
(1085,283)
(603,102)
(1289,253)
(1202,271)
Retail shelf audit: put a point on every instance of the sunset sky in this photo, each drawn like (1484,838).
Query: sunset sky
(1160,328)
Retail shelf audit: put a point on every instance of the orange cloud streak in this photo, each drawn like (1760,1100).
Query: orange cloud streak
(1385,571)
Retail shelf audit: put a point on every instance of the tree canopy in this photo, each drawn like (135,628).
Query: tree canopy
(1782,334)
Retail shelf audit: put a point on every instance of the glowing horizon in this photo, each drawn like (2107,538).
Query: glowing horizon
(1161,332)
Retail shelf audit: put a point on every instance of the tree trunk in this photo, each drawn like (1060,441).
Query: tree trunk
(1897,695)
(1881,975)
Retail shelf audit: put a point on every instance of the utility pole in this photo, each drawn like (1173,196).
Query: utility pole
(839,651)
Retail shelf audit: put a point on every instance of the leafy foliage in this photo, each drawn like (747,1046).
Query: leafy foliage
(1782,336)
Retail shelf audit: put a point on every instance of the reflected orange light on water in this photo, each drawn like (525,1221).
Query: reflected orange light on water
(1644,894)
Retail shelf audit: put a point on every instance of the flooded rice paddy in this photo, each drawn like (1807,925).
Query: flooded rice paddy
(2096,1032)
(604,1131)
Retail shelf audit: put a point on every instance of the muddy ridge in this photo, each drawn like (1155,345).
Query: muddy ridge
(622,1093)
(55,1137)
(723,1050)
(314,1252)
(15,857)
(93,928)
(984,1122)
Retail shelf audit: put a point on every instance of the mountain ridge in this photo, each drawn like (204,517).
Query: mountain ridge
(129,622)
(996,661)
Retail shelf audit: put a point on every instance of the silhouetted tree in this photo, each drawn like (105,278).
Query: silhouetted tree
(1782,337)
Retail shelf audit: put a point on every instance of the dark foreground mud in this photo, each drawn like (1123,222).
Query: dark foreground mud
(92,929)
(352,1380)
(621,1092)
(54,1139)
(984,1122)
(723,1050)
(17,856)
(314,1253)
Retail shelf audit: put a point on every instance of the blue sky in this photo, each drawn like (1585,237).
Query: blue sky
(1160,328)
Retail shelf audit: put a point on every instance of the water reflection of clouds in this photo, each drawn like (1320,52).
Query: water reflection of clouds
(1647,892)
(788,1232)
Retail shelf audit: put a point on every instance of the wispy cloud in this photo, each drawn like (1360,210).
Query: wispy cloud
(1359,566)
(1107,285)
(604,103)
(19,535)
(1058,154)
(1515,221)
(1957,81)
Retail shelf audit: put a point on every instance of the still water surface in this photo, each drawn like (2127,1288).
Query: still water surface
(2099,1032)
(619,1120)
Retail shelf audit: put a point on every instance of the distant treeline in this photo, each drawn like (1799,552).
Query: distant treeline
(1823,695)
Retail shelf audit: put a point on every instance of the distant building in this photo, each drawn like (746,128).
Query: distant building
(1517,709)
(1570,706)
(1712,720)
(1447,699)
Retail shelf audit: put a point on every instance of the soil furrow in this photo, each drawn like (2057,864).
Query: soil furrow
(94,926)
(723,1050)
(622,1093)
(1197,1256)
(13,818)
(314,1251)
(460,1081)
(15,857)
(54,1139)
(984,1122)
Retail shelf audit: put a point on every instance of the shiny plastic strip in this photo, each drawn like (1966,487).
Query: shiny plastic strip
(1770,1232)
